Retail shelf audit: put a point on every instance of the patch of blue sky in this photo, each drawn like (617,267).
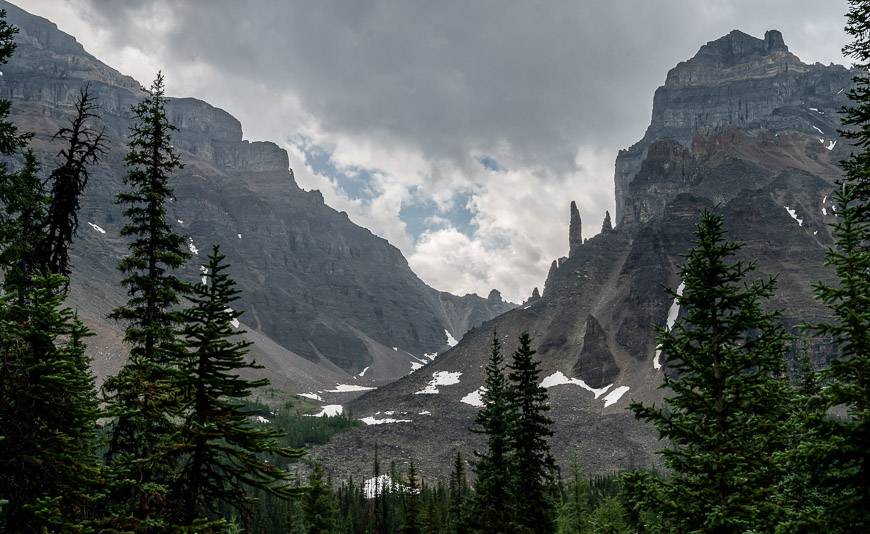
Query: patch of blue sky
(356,182)
(490,164)
(423,214)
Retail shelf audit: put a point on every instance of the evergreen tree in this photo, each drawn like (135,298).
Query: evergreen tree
(48,412)
(459,496)
(727,395)
(410,498)
(84,147)
(22,225)
(835,448)
(531,464)
(318,504)
(142,398)
(221,452)
(492,504)
(575,507)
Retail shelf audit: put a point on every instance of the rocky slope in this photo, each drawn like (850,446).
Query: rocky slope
(324,299)
(744,127)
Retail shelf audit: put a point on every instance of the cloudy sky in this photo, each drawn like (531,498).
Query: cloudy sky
(459,131)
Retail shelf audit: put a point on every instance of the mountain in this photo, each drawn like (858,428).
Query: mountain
(743,127)
(324,299)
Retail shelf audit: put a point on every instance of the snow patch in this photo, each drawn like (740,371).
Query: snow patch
(440,378)
(831,145)
(261,419)
(240,235)
(330,410)
(97,227)
(312,396)
(430,355)
(416,365)
(794,216)
(558,378)
(396,348)
(363,372)
(234,321)
(475,398)
(450,339)
(425,412)
(347,388)
(370,420)
(179,221)
(673,312)
(203,270)
(819,130)
(192,247)
(615,395)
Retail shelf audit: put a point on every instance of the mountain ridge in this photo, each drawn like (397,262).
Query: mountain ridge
(317,288)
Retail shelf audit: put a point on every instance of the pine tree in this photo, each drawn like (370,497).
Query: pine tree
(411,502)
(727,396)
(492,503)
(220,451)
(142,398)
(318,504)
(531,464)
(84,147)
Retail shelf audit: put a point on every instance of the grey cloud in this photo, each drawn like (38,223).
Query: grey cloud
(539,78)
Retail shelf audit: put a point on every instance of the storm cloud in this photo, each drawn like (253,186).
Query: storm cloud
(459,131)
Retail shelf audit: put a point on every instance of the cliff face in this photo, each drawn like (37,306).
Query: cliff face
(744,128)
(325,298)
(737,82)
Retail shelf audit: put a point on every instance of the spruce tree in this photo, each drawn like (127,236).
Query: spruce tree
(220,452)
(142,398)
(411,503)
(84,146)
(318,503)
(48,412)
(726,397)
(492,503)
(575,506)
(530,462)
(838,451)
(459,496)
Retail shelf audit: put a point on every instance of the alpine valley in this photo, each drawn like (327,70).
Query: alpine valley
(335,312)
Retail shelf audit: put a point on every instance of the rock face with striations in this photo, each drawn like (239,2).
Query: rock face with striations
(744,128)
(324,298)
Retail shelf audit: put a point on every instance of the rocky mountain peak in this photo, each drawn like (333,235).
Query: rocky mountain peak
(606,226)
(575,230)
(494,296)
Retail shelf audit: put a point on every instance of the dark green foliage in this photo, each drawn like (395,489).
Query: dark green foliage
(727,398)
(220,451)
(835,427)
(411,503)
(22,223)
(530,463)
(84,147)
(491,505)
(48,412)
(459,497)
(142,399)
(318,504)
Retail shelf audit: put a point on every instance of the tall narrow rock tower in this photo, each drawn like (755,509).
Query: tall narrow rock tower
(575,230)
